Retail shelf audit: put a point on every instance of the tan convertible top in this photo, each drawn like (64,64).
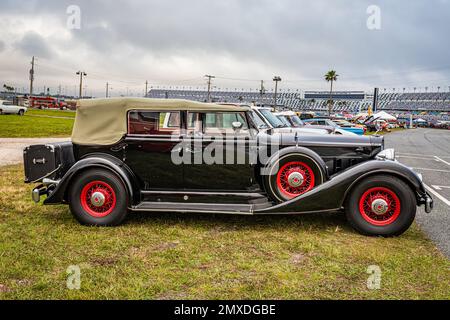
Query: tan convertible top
(104,121)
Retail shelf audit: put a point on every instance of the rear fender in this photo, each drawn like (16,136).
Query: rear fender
(104,161)
(331,195)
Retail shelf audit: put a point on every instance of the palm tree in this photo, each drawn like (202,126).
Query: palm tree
(331,76)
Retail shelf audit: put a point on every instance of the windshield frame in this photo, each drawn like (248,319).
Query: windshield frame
(272,119)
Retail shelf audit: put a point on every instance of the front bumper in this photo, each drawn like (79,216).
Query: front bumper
(428,202)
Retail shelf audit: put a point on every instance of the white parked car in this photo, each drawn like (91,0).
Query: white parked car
(7,107)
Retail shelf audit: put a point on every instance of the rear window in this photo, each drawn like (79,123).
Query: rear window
(160,123)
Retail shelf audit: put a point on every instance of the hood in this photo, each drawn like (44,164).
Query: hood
(302,130)
(331,140)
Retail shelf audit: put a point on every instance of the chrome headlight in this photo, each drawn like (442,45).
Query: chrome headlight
(386,154)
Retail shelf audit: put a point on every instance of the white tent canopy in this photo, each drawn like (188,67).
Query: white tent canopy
(382,115)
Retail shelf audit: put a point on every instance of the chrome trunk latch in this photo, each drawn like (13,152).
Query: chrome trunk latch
(39,161)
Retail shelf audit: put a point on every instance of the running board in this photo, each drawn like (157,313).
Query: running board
(195,207)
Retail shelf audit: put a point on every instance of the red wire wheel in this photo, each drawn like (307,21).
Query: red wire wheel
(295,178)
(379,206)
(98,199)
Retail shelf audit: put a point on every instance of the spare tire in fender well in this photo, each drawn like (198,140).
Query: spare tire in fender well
(306,159)
(299,150)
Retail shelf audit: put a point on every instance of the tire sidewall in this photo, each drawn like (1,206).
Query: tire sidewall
(407,207)
(271,179)
(119,212)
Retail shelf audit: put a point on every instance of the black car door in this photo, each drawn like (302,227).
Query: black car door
(219,154)
(151,138)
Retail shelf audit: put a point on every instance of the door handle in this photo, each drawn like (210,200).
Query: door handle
(192,151)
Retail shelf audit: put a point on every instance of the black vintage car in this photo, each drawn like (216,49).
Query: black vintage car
(182,156)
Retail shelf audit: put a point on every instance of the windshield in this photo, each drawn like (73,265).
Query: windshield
(260,124)
(284,120)
(331,123)
(298,122)
(273,120)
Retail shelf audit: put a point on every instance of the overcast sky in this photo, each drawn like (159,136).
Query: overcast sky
(175,43)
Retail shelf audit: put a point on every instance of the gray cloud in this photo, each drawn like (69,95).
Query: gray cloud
(34,44)
(296,39)
(2,45)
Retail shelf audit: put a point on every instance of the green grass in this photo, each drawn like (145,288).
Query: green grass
(52,113)
(382,133)
(196,256)
(37,123)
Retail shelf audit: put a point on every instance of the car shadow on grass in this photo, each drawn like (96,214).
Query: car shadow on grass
(329,220)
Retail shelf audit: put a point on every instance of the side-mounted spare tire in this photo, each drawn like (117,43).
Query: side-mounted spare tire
(98,197)
(293,174)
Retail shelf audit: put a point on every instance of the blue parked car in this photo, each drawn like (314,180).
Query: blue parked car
(329,122)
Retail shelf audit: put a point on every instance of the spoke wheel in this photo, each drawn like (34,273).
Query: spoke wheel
(379,206)
(295,178)
(98,198)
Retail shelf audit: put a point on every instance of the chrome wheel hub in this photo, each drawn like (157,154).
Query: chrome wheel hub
(97,199)
(295,179)
(379,206)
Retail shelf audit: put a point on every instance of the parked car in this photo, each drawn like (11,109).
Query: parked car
(7,107)
(328,122)
(290,118)
(124,157)
(347,124)
(270,120)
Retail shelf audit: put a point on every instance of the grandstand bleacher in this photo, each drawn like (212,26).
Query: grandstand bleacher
(434,103)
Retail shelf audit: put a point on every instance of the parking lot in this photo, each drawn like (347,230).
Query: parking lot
(428,152)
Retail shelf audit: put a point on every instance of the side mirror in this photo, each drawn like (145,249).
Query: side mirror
(236,125)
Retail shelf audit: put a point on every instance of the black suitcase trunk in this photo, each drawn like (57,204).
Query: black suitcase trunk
(50,160)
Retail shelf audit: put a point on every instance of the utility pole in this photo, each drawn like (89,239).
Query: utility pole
(209,86)
(81,74)
(31,76)
(276,79)
(146,86)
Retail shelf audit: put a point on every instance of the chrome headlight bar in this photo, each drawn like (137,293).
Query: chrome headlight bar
(386,154)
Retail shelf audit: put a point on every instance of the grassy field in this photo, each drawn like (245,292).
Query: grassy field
(37,123)
(52,113)
(193,256)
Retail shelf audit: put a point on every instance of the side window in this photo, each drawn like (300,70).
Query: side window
(145,122)
(194,122)
(219,123)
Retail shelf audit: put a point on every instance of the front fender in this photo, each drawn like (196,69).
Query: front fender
(331,195)
(105,161)
(299,151)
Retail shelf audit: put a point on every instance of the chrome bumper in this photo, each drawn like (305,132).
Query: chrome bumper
(43,189)
(38,192)
(428,203)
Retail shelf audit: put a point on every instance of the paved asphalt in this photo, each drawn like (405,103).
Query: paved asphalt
(428,152)
(11,149)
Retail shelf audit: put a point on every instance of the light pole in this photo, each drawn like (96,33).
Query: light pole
(276,79)
(81,74)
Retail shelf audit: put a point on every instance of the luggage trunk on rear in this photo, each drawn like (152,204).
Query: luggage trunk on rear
(50,161)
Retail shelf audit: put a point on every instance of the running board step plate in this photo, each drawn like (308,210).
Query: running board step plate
(194,207)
